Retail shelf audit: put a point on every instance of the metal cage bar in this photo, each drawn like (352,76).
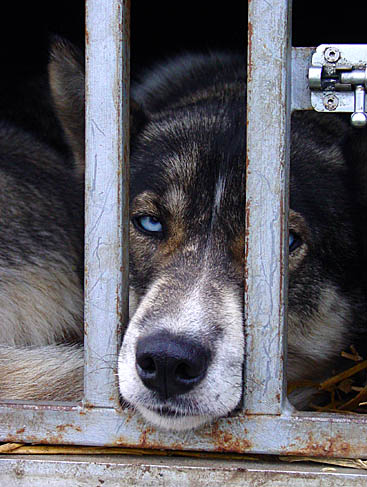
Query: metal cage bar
(106,225)
(112,471)
(268,136)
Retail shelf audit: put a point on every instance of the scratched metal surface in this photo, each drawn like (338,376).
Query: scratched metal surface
(169,472)
(106,217)
(268,129)
(321,434)
(300,91)
(273,427)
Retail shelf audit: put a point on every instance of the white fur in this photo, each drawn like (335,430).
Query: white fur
(220,391)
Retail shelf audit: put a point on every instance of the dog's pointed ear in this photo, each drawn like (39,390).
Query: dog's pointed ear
(67,77)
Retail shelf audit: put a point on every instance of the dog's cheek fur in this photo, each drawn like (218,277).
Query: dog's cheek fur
(316,337)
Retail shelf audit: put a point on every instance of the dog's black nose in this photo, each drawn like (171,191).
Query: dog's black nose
(170,364)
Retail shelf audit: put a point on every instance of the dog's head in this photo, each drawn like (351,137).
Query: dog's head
(181,360)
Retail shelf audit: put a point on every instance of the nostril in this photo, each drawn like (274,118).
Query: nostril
(146,364)
(189,371)
(184,372)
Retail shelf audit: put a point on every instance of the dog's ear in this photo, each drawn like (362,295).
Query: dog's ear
(67,78)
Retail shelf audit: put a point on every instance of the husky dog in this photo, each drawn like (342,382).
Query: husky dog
(181,360)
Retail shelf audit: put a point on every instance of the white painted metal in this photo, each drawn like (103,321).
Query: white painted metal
(268,129)
(112,471)
(107,139)
(301,95)
(295,433)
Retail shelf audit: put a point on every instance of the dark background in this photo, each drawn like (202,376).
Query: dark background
(159,28)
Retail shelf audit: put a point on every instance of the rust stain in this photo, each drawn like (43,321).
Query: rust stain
(121,441)
(32,439)
(247,232)
(63,427)
(282,264)
(237,248)
(86,406)
(145,441)
(329,447)
(144,437)
(250,32)
(86,30)
(129,415)
(50,438)
(224,441)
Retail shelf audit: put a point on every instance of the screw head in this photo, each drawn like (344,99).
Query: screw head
(331,102)
(331,54)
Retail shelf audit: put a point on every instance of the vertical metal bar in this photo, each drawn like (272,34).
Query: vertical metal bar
(269,60)
(107,138)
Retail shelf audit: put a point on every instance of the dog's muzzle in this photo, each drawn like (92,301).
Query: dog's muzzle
(170,365)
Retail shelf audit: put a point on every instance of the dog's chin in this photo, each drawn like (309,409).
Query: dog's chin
(170,420)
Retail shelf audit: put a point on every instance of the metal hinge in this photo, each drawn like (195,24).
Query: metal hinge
(338,80)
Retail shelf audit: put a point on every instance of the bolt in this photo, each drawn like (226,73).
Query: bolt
(358,119)
(332,54)
(331,102)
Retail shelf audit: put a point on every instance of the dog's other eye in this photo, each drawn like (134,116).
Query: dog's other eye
(148,224)
(294,241)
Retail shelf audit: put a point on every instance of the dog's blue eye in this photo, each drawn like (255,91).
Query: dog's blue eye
(149,224)
(294,241)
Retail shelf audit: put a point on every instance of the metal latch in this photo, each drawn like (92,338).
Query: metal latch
(338,80)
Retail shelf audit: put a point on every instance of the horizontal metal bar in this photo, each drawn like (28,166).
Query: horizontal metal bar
(107,156)
(319,434)
(110,471)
